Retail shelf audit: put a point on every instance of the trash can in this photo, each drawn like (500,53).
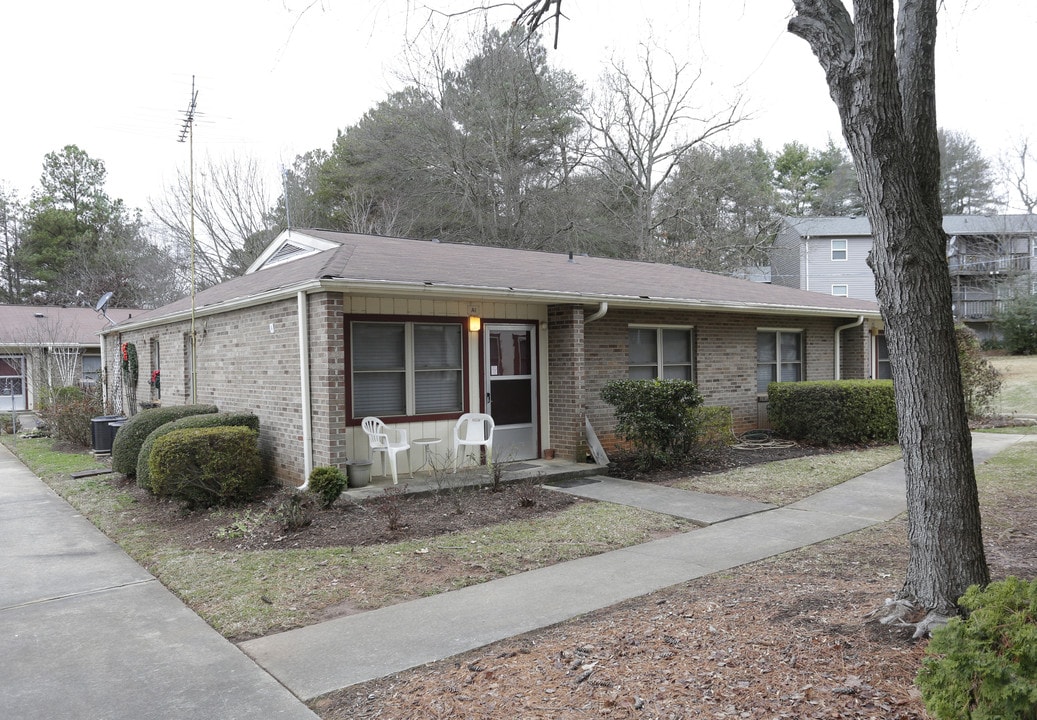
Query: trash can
(359,473)
(114,426)
(101,433)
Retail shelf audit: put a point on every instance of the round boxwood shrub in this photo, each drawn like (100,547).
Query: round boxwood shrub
(208,466)
(127,442)
(228,419)
(985,666)
(327,483)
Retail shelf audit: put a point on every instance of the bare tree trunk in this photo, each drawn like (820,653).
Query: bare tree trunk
(885,94)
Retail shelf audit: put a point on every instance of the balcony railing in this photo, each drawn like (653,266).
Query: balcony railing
(986,264)
(976,309)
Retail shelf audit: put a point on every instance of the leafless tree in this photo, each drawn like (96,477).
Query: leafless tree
(643,125)
(230,210)
(1016,166)
(10,236)
(363,213)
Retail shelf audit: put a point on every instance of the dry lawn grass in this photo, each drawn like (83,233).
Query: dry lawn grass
(1019,388)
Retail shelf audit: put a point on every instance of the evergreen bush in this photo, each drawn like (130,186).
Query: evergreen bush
(224,419)
(127,442)
(1017,322)
(208,466)
(327,483)
(984,667)
(657,416)
(832,412)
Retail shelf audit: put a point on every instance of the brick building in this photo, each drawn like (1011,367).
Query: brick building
(47,346)
(418,332)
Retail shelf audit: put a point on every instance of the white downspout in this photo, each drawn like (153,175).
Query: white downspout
(598,314)
(304,385)
(838,358)
(104,374)
(589,431)
(805,266)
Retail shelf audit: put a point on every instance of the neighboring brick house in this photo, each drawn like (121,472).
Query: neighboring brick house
(44,346)
(417,332)
(991,259)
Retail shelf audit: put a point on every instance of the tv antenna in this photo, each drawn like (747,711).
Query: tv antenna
(187,132)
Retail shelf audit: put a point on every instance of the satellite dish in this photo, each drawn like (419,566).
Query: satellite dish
(103,302)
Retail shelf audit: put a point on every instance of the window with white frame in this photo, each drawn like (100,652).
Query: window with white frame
(12,382)
(660,352)
(402,369)
(779,357)
(91,369)
(839,250)
(841,290)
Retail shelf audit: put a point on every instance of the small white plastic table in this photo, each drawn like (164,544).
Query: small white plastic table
(426,444)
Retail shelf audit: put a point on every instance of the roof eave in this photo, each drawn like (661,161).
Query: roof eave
(384,287)
(512,294)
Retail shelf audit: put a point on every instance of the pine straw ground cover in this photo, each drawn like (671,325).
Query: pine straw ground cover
(785,637)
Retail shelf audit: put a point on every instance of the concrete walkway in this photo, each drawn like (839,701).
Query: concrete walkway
(318,659)
(87,633)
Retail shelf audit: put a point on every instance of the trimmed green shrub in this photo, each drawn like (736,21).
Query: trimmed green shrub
(657,417)
(833,411)
(228,419)
(984,667)
(127,442)
(327,483)
(208,466)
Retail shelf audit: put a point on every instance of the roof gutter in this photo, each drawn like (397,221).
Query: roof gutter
(838,354)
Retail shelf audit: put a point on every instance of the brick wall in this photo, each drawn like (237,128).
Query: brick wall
(248,361)
(566,380)
(328,411)
(725,358)
(855,349)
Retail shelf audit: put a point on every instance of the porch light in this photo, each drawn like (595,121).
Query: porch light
(474,323)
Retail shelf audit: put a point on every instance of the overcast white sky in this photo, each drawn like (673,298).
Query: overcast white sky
(114,76)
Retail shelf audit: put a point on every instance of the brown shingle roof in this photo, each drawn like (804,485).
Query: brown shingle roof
(48,324)
(365,263)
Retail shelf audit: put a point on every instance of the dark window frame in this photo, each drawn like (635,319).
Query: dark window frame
(660,364)
(409,370)
(778,363)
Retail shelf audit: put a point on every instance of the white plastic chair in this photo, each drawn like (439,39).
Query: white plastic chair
(378,437)
(473,430)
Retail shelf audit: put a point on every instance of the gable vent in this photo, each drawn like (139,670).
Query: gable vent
(284,252)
